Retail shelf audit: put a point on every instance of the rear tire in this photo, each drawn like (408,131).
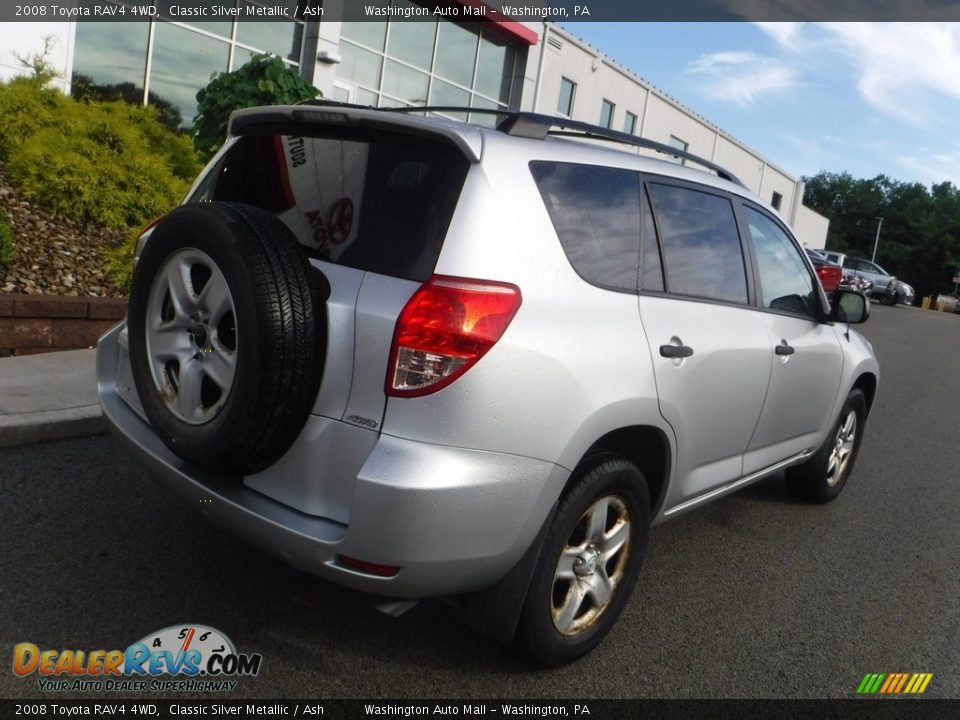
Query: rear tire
(823,477)
(227,329)
(588,564)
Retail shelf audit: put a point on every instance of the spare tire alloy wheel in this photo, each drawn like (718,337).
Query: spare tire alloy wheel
(589,562)
(191,334)
(227,335)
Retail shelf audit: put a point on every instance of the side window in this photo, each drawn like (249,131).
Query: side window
(702,255)
(785,283)
(596,213)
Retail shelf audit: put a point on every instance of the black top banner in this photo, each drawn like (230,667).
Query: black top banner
(484,10)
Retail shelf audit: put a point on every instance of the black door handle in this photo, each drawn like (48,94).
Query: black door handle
(676,351)
(785,349)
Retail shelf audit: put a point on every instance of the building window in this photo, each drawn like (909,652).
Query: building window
(393,63)
(776,200)
(111,59)
(606,113)
(568,89)
(630,123)
(679,145)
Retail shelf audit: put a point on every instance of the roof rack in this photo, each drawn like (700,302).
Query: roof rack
(537,126)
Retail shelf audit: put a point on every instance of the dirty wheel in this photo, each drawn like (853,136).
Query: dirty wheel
(227,330)
(589,563)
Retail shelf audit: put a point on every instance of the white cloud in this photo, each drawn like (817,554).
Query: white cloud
(933,167)
(786,34)
(742,77)
(902,68)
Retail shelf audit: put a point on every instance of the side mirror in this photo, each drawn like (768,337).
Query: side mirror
(849,307)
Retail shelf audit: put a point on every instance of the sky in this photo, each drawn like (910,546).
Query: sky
(863,98)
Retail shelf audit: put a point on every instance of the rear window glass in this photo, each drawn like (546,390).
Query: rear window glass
(596,213)
(377,204)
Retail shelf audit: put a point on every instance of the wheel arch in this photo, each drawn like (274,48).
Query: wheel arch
(645,446)
(496,610)
(867,384)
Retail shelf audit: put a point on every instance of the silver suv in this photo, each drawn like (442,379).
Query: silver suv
(421,358)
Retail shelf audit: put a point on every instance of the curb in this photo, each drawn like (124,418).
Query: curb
(29,428)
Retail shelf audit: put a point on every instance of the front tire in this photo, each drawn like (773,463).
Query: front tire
(588,565)
(823,477)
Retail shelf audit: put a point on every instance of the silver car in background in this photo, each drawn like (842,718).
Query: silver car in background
(419,357)
(885,287)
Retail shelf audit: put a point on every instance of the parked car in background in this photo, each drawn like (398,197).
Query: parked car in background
(850,281)
(885,288)
(905,293)
(830,273)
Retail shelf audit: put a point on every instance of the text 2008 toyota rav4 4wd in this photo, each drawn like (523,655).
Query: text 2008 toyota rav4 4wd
(426,358)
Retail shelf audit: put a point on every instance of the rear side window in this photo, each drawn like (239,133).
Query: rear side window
(596,213)
(381,204)
(701,248)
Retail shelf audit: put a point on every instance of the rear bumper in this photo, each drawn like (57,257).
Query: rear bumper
(454,520)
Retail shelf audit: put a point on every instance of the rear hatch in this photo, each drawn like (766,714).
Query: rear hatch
(370,198)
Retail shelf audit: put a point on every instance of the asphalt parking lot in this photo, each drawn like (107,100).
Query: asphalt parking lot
(757,595)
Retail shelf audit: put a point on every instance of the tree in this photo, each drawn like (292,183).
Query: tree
(920,237)
(43,71)
(264,80)
(84,88)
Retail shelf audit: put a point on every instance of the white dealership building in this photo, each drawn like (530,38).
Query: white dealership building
(391,60)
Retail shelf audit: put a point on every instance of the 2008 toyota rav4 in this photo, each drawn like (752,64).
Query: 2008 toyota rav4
(420,357)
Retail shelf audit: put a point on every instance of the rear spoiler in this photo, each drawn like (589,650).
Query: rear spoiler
(304,120)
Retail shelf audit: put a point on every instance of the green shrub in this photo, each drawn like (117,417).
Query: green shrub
(264,80)
(25,108)
(118,262)
(6,240)
(111,164)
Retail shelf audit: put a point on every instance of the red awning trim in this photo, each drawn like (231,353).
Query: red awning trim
(511,28)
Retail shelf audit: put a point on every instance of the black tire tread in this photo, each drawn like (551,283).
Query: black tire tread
(535,638)
(278,275)
(808,480)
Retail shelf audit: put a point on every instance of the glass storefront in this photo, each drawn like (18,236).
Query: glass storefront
(394,63)
(166,62)
(385,63)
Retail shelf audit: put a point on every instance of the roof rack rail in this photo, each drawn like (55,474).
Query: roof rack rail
(537,126)
(325,102)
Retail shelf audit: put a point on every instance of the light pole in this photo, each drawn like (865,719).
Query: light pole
(877,240)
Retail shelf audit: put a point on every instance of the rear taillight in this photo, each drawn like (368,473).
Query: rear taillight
(447,326)
(830,276)
(145,235)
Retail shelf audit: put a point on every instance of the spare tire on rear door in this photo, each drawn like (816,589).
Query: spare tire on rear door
(227,329)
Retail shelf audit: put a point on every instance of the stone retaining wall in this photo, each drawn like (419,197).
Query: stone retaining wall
(44,323)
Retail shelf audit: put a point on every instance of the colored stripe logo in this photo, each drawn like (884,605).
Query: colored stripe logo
(894,683)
